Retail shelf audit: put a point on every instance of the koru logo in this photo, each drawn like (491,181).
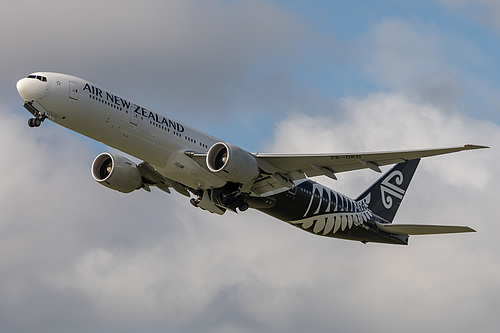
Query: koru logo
(389,190)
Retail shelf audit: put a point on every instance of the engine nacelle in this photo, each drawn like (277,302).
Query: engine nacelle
(232,163)
(116,172)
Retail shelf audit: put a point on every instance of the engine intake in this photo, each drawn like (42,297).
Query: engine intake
(232,163)
(116,172)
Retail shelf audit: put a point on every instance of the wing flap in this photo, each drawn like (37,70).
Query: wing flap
(422,229)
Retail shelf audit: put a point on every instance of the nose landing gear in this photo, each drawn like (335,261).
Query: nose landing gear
(34,122)
(39,116)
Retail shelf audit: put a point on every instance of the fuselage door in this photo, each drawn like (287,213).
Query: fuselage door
(134,117)
(73,90)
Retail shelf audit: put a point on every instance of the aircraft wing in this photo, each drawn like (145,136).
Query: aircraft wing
(280,170)
(330,164)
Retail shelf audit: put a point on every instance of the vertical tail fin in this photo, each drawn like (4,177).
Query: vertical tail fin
(384,197)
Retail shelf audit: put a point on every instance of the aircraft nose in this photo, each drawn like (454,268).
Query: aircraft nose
(23,88)
(31,89)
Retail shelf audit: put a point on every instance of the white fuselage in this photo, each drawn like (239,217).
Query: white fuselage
(117,122)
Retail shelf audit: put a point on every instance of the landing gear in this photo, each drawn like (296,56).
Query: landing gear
(39,116)
(195,202)
(233,199)
(34,122)
(243,206)
(227,197)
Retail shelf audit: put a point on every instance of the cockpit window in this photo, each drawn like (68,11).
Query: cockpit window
(38,77)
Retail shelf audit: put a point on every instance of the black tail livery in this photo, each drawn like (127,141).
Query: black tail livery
(384,197)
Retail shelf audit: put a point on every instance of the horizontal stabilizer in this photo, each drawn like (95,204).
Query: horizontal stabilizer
(422,229)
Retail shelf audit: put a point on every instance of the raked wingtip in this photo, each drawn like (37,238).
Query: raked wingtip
(469,146)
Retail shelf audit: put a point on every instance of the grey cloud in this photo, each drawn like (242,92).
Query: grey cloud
(398,53)
(487,12)
(194,55)
(210,64)
(100,260)
(75,256)
(428,63)
(449,275)
(389,122)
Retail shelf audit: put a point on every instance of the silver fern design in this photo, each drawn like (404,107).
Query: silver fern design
(333,222)
(335,202)
(332,212)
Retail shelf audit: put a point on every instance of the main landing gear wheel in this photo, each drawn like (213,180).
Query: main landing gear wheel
(34,122)
(195,202)
(243,206)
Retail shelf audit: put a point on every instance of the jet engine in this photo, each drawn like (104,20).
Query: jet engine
(232,163)
(116,172)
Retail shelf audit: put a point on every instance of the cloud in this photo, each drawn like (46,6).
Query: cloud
(437,66)
(401,54)
(184,50)
(207,63)
(487,12)
(147,261)
(75,256)
(386,121)
(454,189)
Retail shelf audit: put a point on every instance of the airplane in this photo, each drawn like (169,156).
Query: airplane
(218,176)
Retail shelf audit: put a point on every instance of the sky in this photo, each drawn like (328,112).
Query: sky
(269,76)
